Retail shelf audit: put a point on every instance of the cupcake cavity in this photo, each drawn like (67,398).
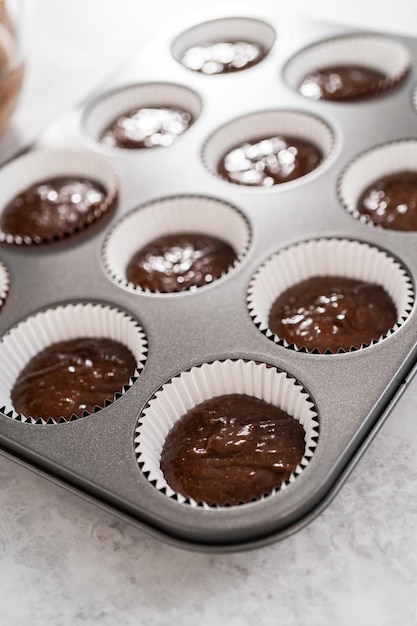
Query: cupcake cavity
(176,244)
(224,46)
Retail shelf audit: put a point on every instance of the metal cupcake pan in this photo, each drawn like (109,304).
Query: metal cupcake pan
(352,392)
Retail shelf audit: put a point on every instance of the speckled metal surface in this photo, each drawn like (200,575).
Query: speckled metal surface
(352,392)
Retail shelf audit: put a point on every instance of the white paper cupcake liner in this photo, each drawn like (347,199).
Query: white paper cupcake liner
(103,111)
(414,98)
(40,165)
(168,216)
(210,380)
(370,166)
(373,51)
(63,323)
(327,257)
(4,284)
(231,29)
(265,124)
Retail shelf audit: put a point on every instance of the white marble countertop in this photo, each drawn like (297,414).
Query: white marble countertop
(65,562)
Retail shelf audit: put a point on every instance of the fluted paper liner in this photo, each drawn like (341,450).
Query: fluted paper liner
(4,283)
(327,257)
(40,165)
(210,380)
(370,166)
(168,216)
(63,323)
(265,124)
(372,51)
(414,98)
(224,30)
(105,109)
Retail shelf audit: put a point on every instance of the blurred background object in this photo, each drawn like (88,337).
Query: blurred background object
(11,61)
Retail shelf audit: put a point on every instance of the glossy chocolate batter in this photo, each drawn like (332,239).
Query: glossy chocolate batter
(231,449)
(269,161)
(391,201)
(73,376)
(223,57)
(52,208)
(147,128)
(180,261)
(343,82)
(332,313)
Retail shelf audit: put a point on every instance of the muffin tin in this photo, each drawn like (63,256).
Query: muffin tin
(352,392)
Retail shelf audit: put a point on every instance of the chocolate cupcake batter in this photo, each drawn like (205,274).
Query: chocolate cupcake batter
(343,82)
(53,208)
(269,161)
(223,57)
(231,449)
(147,128)
(72,376)
(391,201)
(332,313)
(180,261)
